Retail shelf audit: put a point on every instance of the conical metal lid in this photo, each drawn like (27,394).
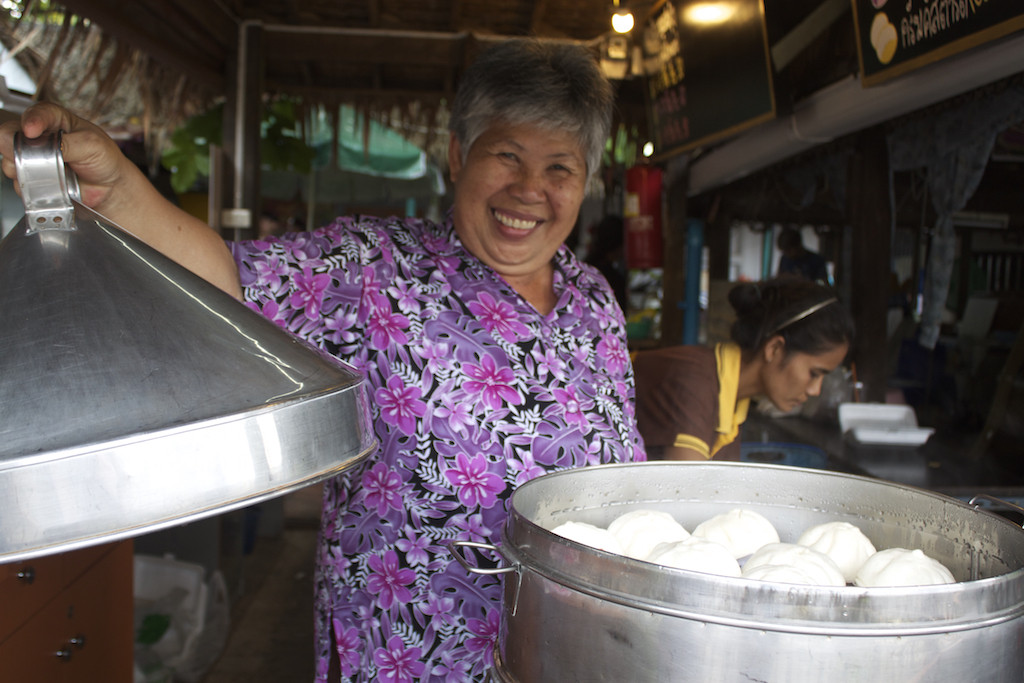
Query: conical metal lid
(135,395)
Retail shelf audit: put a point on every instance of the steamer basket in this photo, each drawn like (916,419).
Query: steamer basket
(574,613)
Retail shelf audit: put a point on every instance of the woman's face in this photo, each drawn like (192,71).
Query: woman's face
(517,195)
(790,379)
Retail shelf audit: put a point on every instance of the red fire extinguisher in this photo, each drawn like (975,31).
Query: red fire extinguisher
(642,214)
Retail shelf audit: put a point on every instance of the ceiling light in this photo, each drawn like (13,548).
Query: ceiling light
(709,13)
(622,18)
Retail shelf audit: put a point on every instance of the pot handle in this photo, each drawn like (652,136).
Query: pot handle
(455,546)
(993,499)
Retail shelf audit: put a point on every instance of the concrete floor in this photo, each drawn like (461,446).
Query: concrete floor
(271,635)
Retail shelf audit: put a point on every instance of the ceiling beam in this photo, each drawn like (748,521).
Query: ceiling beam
(355,46)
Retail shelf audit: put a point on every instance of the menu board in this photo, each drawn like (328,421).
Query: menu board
(707,72)
(897,36)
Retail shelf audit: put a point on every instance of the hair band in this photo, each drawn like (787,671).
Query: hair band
(803,314)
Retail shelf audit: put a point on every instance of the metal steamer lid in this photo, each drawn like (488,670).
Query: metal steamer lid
(137,396)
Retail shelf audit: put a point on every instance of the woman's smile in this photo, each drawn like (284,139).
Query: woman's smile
(509,221)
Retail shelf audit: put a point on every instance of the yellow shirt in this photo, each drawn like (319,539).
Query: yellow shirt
(731,412)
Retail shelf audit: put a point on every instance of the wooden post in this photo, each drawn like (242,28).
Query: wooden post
(870,223)
(674,259)
(716,236)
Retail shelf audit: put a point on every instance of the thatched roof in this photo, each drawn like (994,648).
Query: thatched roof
(151,63)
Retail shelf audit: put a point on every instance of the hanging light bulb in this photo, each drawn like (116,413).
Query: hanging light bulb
(622,18)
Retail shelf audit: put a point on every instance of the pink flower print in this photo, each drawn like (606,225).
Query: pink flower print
(335,559)
(498,316)
(415,548)
(366,615)
(338,328)
(593,453)
(309,291)
(400,404)
(382,489)
(385,328)
(269,310)
(581,354)
(439,608)
(605,316)
(267,274)
(396,663)
(548,361)
(476,486)
(457,413)
(436,355)
(491,383)
(485,633)
(528,468)
(614,352)
(451,668)
(405,294)
(349,648)
(574,409)
(474,527)
(388,580)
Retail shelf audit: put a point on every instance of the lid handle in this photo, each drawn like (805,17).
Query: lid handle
(47,185)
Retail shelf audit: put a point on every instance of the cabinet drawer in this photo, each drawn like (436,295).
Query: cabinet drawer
(90,622)
(26,586)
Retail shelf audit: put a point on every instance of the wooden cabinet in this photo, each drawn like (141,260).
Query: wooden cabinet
(68,618)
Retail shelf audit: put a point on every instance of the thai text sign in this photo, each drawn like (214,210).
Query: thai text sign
(707,72)
(897,36)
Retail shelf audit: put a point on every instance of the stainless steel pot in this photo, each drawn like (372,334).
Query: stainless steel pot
(574,613)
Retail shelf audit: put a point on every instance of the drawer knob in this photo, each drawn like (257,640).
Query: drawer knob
(27,575)
(76,643)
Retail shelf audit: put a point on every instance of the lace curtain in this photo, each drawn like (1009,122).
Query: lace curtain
(953,147)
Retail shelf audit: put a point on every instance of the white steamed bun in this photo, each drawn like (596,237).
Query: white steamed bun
(818,567)
(639,531)
(591,535)
(741,531)
(696,554)
(902,567)
(846,544)
(782,573)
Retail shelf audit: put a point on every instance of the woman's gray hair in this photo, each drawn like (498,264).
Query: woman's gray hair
(556,86)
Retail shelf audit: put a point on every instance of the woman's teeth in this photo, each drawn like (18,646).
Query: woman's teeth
(516,223)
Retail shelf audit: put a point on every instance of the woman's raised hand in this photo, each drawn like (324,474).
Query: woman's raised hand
(101,168)
(116,188)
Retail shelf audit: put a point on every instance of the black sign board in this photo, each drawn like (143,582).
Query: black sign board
(707,72)
(897,36)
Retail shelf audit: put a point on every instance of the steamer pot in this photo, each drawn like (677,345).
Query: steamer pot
(574,613)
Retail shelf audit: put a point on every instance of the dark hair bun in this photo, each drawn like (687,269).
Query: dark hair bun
(792,307)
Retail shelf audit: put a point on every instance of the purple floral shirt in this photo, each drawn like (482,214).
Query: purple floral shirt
(473,392)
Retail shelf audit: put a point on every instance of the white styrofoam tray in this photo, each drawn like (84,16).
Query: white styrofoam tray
(882,423)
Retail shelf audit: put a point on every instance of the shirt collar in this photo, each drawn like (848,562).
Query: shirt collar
(731,411)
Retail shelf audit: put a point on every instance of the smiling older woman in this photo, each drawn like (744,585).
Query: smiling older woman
(493,354)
